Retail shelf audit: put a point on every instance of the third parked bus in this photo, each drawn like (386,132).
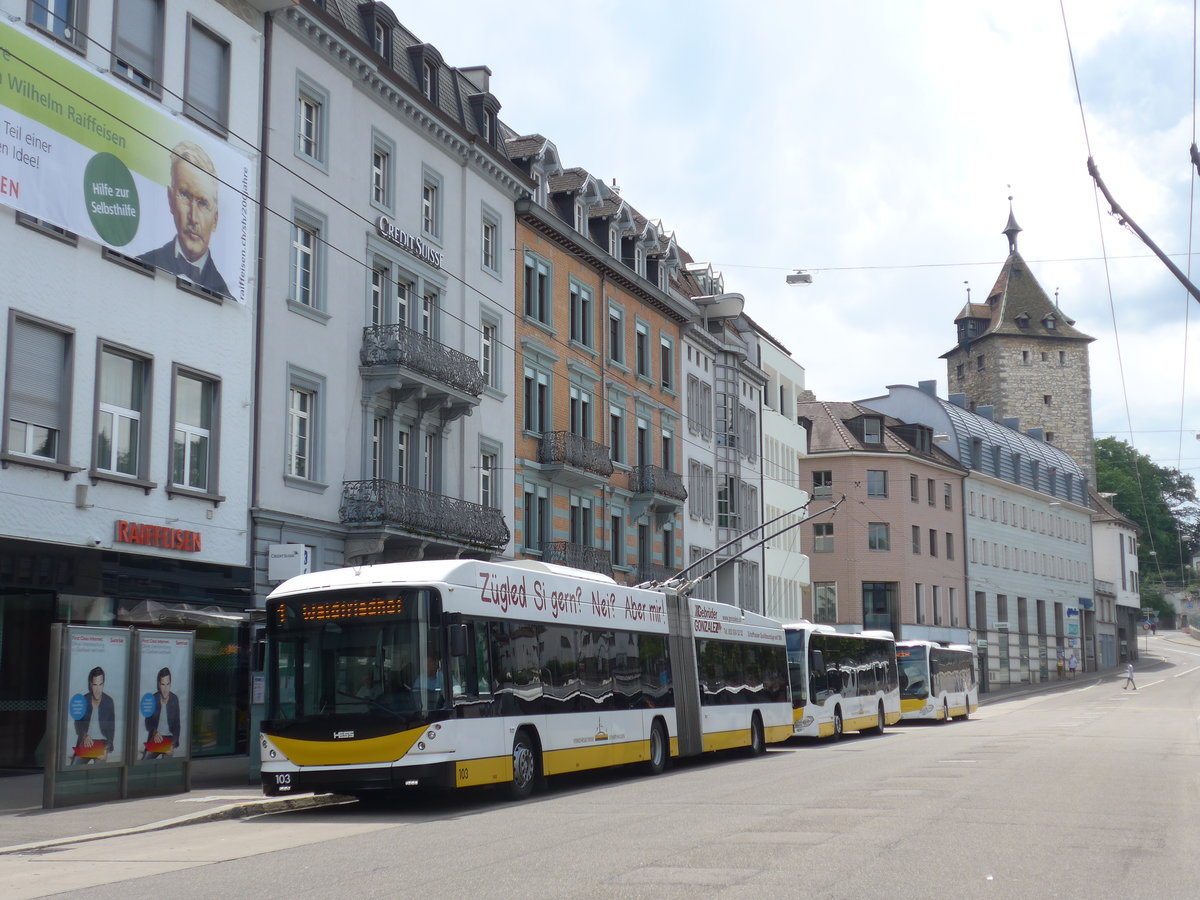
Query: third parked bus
(936,683)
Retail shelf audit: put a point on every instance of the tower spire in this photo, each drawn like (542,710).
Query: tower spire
(1012,229)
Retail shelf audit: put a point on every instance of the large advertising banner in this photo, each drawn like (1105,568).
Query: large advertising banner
(86,155)
(164,693)
(95,692)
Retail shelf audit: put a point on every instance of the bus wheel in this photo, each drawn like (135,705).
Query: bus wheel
(880,721)
(838,726)
(758,742)
(524,762)
(659,749)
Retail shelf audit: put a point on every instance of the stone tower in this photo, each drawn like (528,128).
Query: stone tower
(1020,354)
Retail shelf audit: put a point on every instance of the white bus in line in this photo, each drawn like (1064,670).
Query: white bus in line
(456,673)
(936,683)
(840,681)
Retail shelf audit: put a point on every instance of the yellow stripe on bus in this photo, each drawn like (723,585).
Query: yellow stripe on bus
(911,705)
(726,740)
(777,733)
(594,756)
(490,770)
(384,749)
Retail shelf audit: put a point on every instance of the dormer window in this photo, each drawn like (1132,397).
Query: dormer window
(662,277)
(1022,320)
(1050,322)
(580,219)
(429,81)
(382,39)
(639,261)
(614,243)
(489,126)
(872,430)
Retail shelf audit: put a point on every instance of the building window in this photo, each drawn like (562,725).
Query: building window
(823,537)
(822,484)
(537,289)
(192,446)
(381,175)
(878,537)
(930,492)
(487,352)
(580,218)
(949,545)
(935,601)
(429,313)
(877,483)
(979,364)
(402,467)
(310,123)
(872,430)
(489,242)
(641,349)
(537,518)
(616,433)
(301,426)
(206,85)
(581,528)
(137,36)
(305,244)
(580,408)
(727,503)
(916,539)
(1062,357)
(666,360)
(933,537)
(947,497)
(38,391)
(617,530)
(537,401)
(123,388)
(581,314)
(431,205)
(431,459)
(382,39)
(66,20)
(429,78)
(958,372)
(616,335)
(487,479)
(378,442)
(825,602)
(668,450)
(1046,399)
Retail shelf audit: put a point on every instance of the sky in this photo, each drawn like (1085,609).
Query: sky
(875,145)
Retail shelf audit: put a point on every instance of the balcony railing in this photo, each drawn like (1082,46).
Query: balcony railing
(579,556)
(567,449)
(654,572)
(389,504)
(399,345)
(656,480)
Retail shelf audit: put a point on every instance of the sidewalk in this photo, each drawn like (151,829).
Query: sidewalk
(221,789)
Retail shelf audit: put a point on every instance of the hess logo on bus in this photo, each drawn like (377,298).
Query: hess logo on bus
(340,735)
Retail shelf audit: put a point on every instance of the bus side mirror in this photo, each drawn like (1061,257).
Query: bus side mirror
(458,640)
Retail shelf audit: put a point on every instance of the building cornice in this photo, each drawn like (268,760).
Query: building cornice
(338,45)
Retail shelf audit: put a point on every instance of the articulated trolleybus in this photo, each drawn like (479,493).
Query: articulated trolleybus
(455,673)
(841,682)
(936,683)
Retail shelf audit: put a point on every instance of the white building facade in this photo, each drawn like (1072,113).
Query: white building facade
(784,445)
(386,409)
(127,386)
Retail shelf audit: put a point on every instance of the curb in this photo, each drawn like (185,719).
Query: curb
(245,810)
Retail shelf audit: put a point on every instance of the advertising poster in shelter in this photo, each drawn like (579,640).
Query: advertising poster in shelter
(164,691)
(89,156)
(95,692)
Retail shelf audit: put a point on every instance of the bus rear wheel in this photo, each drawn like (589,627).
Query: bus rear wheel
(758,741)
(880,722)
(525,767)
(839,727)
(659,749)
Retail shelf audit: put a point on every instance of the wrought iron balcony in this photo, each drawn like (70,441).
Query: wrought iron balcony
(654,572)
(399,345)
(589,461)
(392,505)
(580,556)
(658,481)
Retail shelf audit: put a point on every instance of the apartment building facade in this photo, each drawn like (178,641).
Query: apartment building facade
(129,181)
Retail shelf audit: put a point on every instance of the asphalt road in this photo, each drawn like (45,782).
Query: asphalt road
(1091,792)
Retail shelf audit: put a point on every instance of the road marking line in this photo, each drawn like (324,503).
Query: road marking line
(1188,672)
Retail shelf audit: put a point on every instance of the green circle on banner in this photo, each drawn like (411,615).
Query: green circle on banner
(112,199)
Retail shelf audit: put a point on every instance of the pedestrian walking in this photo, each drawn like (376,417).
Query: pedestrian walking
(1129,677)
(1072,663)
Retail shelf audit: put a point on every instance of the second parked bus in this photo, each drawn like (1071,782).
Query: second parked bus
(936,683)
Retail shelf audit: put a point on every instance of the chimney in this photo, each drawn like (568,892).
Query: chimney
(1012,422)
(928,387)
(478,76)
(986,412)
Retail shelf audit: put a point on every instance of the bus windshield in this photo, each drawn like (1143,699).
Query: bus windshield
(368,652)
(913,668)
(795,658)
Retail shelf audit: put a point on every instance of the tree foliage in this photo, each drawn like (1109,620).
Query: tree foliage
(1161,501)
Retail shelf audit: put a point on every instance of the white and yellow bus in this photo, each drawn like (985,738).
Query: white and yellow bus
(458,673)
(841,682)
(936,683)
